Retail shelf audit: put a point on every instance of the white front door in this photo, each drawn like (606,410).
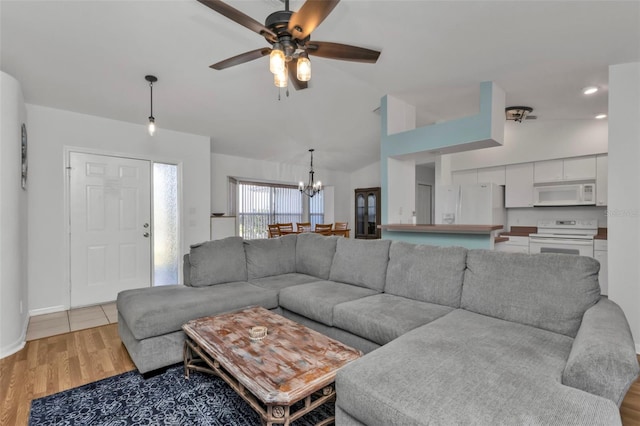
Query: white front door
(110,226)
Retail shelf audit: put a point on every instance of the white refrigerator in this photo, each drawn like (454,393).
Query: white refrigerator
(470,204)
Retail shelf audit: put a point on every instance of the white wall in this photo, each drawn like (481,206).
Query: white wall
(401,175)
(624,197)
(536,141)
(223,166)
(51,130)
(13,223)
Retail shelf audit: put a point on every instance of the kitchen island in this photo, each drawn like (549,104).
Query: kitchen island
(469,236)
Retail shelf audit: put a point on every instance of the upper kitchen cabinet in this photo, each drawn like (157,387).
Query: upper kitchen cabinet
(577,168)
(492,175)
(602,179)
(519,185)
(463,177)
(484,175)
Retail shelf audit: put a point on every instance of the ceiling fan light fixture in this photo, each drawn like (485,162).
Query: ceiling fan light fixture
(280,79)
(276,59)
(304,67)
(517,113)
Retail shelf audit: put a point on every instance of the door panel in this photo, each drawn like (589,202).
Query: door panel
(110,201)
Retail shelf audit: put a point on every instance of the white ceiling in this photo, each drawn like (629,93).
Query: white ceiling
(92,56)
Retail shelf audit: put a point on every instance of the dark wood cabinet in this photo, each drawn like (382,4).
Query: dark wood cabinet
(367,213)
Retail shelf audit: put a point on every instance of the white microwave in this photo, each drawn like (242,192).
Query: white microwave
(564,194)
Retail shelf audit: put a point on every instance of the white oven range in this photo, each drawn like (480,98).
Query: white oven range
(569,236)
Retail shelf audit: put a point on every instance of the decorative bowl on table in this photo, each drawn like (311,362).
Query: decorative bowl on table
(258,333)
(217,214)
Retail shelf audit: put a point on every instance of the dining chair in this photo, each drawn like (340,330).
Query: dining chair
(285,228)
(274,231)
(342,228)
(303,226)
(324,229)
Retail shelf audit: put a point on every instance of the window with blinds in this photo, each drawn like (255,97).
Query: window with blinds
(261,204)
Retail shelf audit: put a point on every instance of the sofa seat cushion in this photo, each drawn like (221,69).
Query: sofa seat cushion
(217,262)
(361,262)
(384,317)
(465,368)
(316,300)
(278,282)
(427,273)
(314,254)
(154,311)
(549,290)
(272,256)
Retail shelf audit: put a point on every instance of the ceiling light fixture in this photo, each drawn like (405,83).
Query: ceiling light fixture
(518,113)
(152,121)
(276,59)
(601,116)
(590,90)
(304,67)
(313,187)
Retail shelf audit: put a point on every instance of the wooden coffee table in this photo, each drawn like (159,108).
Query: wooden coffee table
(292,363)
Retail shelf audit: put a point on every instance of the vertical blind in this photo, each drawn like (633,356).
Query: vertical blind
(260,204)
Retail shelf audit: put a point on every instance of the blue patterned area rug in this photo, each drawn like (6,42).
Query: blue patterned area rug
(166,399)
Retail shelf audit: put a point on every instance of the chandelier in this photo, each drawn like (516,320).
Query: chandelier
(313,187)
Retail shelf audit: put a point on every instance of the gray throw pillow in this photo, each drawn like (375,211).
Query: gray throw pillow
(218,262)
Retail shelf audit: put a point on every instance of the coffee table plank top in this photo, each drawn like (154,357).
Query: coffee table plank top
(291,362)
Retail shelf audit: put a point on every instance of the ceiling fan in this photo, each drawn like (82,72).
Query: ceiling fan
(289,34)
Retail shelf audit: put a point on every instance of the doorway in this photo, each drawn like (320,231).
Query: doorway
(114,242)
(424,194)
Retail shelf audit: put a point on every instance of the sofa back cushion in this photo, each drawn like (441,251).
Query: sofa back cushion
(426,273)
(217,262)
(549,291)
(272,256)
(314,254)
(361,262)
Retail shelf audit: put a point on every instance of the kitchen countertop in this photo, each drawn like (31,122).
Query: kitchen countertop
(524,231)
(441,229)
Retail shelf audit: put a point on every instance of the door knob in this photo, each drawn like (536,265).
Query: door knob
(146,225)
(146,235)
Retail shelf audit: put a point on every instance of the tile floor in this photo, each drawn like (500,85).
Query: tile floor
(76,319)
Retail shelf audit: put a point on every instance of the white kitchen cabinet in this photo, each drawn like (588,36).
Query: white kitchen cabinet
(492,175)
(461,177)
(579,168)
(602,180)
(600,253)
(548,171)
(223,227)
(514,245)
(519,185)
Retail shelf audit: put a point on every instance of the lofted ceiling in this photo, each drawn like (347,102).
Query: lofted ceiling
(91,57)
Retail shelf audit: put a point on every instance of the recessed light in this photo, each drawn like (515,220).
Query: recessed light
(590,90)
(601,116)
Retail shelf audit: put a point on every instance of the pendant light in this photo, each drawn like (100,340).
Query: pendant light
(152,121)
(276,59)
(313,187)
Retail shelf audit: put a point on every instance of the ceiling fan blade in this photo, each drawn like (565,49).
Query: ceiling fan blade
(240,18)
(309,16)
(293,76)
(241,58)
(343,52)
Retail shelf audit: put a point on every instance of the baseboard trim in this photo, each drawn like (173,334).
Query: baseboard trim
(17,345)
(49,310)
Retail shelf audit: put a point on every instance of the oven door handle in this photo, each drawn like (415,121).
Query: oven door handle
(549,241)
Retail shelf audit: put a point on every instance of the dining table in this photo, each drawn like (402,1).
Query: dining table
(341,232)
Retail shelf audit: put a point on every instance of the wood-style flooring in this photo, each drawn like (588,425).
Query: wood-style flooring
(53,364)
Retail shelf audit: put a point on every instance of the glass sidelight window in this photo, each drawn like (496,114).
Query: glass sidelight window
(166,241)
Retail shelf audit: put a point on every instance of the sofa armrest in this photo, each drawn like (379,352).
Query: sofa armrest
(603,359)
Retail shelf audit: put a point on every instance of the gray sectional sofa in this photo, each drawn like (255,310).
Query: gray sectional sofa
(451,336)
